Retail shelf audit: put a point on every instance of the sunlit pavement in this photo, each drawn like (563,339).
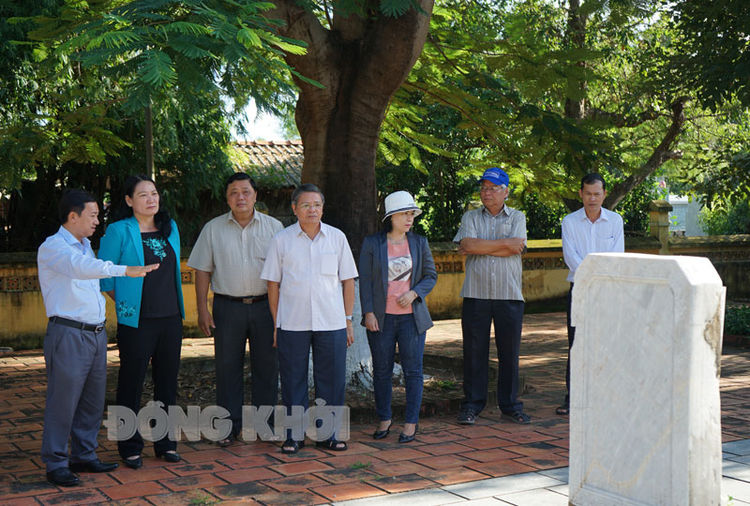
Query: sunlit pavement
(492,462)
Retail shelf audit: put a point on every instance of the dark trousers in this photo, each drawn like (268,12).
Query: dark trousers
(329,366)
(237,323)
(401,329)
(159,341)
(76,362)
(571,337)
(476,317)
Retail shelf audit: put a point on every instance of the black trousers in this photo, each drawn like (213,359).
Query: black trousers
(476,317)
(159,341)
(236,324)
(571,337)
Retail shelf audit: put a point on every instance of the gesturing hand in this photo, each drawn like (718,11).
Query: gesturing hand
(139,271)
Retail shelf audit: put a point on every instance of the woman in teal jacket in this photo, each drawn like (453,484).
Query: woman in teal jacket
(149,310)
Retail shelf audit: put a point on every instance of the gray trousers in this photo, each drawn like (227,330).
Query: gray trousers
(236,323)
(76,362)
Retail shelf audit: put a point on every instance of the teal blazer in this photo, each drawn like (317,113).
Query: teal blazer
(122,245)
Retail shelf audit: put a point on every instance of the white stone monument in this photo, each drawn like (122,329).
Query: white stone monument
(645,424)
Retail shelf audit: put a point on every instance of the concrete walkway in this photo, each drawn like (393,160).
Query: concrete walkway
(490,462)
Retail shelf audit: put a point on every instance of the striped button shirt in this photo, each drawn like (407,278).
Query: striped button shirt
(488,276)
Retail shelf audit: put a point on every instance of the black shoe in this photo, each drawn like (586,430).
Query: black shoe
(135,463)
(332,444)
(63,477)
(290,446)
(467,417)
(563,410)
(170,456)
(380,434)
(518,417)
(227,441)
(93,466)
(403,438)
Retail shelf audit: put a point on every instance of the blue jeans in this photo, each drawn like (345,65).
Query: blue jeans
(401,329)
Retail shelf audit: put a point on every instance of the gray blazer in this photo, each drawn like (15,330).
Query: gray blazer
(373,277)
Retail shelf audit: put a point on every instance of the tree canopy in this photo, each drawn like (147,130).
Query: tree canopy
(635,89)
(552,90)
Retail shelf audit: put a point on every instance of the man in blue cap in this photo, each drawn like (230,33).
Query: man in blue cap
(493,239)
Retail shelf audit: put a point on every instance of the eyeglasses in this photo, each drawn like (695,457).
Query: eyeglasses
(316,206)
(493,188)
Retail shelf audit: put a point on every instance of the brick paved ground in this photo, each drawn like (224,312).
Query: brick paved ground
(445,453)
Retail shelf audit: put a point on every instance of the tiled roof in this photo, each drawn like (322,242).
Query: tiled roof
(276,164)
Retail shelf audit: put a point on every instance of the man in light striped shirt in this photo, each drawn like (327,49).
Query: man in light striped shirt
(591,229)
(493,239)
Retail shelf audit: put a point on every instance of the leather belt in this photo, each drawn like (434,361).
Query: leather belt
(250,299)
(91,327)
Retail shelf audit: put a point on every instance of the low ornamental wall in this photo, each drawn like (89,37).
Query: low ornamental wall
(544,272)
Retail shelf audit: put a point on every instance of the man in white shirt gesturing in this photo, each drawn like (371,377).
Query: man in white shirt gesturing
(75,346)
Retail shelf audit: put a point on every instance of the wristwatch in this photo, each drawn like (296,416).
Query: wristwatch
(349,317)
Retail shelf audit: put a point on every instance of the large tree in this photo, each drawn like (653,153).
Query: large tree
(714,60)
(360,52)
(552,90)
(78,76)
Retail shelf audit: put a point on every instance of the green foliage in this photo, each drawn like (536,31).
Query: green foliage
(511,71)
(149,46)
(737,320)
(634,208)
(733,219)
(713,57)
(437,172)
(543,219)
(75,76)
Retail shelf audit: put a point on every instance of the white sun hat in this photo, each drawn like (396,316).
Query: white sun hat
(398,202)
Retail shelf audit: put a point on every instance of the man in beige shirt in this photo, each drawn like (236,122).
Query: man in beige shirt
(229,254)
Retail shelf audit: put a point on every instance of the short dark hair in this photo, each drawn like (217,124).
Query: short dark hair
(306,188)
(239,176)
(73,199)
(592,178)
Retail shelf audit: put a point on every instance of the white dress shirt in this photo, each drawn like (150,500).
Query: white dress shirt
(310,272)
(580,237)
(488,276)
(68,276)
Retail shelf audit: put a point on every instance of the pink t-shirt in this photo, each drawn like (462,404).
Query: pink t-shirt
(399,277)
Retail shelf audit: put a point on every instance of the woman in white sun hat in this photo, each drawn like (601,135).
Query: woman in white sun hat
(396,272)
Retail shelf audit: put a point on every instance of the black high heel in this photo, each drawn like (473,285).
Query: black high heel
(380,434)
(403,438)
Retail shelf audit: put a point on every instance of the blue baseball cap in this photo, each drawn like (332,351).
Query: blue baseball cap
(495,176)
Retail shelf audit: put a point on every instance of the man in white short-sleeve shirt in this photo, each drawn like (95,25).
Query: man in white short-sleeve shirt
(310,272)
(591,229)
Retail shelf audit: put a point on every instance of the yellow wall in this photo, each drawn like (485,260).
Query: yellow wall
(24,320)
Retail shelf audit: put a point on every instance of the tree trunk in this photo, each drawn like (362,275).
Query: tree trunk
(661,154)
(575,102)
(361,62)
(148,137)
